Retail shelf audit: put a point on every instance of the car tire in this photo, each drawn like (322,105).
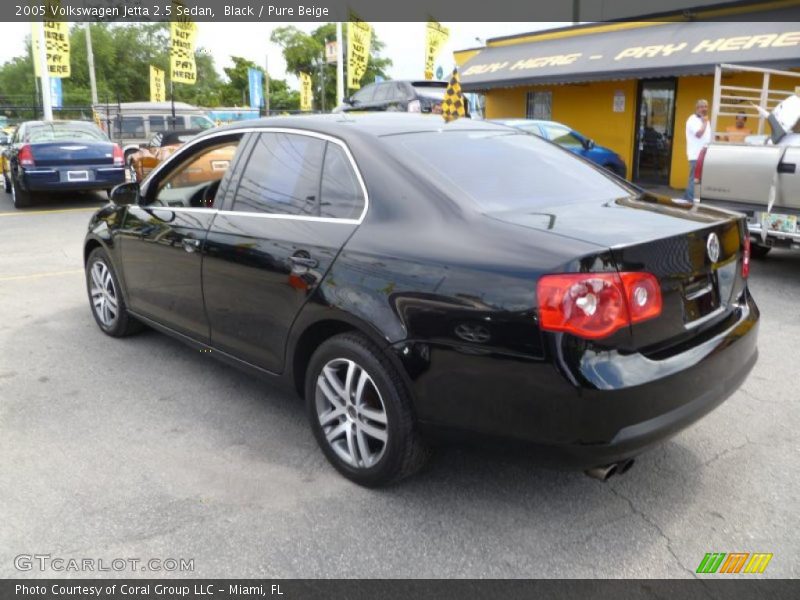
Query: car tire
(759,250)
(105,298)
(20,197)
(366,429)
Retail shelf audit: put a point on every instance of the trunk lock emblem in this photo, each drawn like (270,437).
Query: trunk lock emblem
(712,247)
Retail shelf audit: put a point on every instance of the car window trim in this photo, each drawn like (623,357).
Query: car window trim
(153,176)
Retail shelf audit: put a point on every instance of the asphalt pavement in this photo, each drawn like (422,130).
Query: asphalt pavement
(144,448)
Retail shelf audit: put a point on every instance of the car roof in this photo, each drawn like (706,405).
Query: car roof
(531,122)
(369,124)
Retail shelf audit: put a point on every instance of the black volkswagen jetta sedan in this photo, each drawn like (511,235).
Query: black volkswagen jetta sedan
(408,277)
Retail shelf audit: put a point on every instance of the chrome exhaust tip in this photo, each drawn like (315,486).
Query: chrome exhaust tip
(605,472)
(602,473)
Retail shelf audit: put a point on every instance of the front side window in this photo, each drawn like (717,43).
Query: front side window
(282,175)
(364,95)
(195,180)
(200,122)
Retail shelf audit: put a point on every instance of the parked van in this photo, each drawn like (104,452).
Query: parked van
(131,124)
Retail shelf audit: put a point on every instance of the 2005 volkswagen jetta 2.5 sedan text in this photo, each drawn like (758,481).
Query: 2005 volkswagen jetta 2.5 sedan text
(409,277)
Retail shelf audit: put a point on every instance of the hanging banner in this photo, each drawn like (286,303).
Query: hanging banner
(183,35)
(331,52)
(255,79)
(306,92)
(57,48)
(158,92)
(56,92)
(436,36)
(359,36)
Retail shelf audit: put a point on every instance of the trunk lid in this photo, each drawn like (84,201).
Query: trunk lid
(695,252)
(69,153)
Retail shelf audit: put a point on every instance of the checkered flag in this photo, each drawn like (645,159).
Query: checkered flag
(453,104)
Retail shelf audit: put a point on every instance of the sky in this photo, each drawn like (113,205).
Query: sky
(404,43)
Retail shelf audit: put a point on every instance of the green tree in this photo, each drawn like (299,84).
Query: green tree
(304,53)
(122,59)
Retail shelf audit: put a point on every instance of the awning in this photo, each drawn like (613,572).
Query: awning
(652,50)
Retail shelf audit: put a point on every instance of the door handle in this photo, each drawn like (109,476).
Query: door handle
(190,244)
(304,261)
(786,167)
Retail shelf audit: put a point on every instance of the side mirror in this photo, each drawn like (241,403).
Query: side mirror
(588,144)
(125,194)
(349,100)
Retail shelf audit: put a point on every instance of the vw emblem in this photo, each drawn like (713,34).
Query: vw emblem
(712,247)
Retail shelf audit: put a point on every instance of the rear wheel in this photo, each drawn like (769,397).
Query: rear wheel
(20,197)
(759,250)
(361,412)
(108,305)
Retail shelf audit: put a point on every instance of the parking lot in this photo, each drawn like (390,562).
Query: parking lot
(145,448)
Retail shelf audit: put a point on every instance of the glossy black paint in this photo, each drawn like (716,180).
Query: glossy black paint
(450,293)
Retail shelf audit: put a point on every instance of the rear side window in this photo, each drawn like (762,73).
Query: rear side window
(506,171)
(562,136)
(364,95)
(282,175)
(132,126)
(158,123)
(341,196)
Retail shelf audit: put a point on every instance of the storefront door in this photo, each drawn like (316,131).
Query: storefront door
(654,131)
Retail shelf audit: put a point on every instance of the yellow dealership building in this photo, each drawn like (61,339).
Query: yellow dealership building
(631,86)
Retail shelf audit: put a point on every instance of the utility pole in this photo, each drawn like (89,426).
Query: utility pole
(90,56)
(339,65)
(266,83)
(47,106)
(322,80)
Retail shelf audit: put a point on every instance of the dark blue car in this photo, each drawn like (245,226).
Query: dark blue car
(572,141)
(54,156)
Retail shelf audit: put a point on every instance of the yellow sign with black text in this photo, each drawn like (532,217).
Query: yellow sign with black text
(359,37)
(57,48)
(436,36)
(183,35)
(157,90)
(306,92)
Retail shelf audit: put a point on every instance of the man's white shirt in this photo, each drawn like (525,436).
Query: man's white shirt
(693,143)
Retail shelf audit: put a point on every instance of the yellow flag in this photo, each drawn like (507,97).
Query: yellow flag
(57,48)
(157,91)
(436,36)
(453,105)
(183,35)
(359,37)
(306,92)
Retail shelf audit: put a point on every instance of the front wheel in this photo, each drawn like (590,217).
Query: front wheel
(361,412)
(105,298)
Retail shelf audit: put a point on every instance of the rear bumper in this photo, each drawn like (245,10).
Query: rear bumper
(570,416)
(40,179)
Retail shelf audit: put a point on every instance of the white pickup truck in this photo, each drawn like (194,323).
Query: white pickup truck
(761,180)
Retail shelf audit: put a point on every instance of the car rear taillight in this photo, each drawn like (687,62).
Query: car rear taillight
(119,157)
(595,305)
(414,106)
(698,166)
(746,255)
(25,156)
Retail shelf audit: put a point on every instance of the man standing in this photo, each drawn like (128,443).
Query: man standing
(698,134)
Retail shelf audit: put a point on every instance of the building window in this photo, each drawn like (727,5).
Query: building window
(539,105)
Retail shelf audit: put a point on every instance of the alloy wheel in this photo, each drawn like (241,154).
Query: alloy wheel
(104,294)
(351,413)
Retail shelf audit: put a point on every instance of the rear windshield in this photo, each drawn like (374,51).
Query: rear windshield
(53,132)
(507,171)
